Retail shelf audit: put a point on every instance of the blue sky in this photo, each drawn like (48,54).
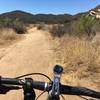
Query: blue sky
(48,6)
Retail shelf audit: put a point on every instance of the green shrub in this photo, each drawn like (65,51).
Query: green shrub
(6,23)
(86,25)
(16,24)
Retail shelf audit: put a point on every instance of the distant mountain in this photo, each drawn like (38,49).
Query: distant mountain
(30,18)
(46,18)
(23,16)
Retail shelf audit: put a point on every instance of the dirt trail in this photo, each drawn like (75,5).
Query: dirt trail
(32,54)
(28,55)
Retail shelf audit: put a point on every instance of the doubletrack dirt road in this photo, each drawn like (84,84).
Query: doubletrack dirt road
(32,54)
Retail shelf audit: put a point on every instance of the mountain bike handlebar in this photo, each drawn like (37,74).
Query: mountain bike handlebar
(54,88)
(64,89)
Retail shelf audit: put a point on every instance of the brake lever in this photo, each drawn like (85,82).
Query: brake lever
(4,88)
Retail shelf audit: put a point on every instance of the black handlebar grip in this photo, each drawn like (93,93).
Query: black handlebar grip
(79,91)
(11,81)
(58,69)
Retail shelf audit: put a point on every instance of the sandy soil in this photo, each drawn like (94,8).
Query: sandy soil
(32,54)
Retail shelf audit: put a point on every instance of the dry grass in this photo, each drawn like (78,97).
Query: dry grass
(7,35)
(80,58)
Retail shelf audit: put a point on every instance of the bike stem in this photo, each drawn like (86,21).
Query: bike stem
(55,89)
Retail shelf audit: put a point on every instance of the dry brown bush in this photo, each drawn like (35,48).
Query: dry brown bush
(80,58)
(7,35)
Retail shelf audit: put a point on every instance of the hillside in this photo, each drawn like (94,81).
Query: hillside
(46,18)
(23,16)
(30,18)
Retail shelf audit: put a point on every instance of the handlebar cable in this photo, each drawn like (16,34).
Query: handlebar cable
(31,74)
(62,97)
(85,98)
(40,95)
